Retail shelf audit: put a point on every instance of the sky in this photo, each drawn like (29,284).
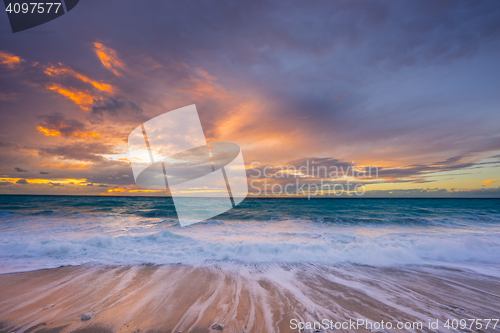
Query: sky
(410,88)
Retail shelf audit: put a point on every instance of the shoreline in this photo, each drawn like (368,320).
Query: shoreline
(238,297)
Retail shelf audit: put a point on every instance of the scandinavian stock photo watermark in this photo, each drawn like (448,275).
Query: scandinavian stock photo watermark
(310,179)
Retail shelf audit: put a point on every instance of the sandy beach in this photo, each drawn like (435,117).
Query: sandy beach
(236,297)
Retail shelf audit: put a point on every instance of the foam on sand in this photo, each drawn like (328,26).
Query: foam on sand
(239,297)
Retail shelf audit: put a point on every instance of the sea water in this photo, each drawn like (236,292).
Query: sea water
(50,231)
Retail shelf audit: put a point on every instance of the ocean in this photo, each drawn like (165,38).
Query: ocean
(38,232)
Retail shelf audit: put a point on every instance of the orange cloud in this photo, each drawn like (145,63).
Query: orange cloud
(83,99)
(128,190)
(146,190)
(88,134)
(118,189)
(82,180)
(487,182)
(108,58)
(9,60)
(53,71)
(82,134)
(48,132)
(43,181)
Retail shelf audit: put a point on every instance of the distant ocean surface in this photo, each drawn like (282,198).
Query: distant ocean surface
(49,231)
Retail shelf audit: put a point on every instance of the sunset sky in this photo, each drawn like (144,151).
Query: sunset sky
(411,87)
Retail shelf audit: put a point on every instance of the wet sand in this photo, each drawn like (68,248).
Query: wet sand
(239,298)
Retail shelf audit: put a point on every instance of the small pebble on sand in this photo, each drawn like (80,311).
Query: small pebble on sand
(86,316)
(217,327)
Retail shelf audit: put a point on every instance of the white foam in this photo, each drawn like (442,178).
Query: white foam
(36,242)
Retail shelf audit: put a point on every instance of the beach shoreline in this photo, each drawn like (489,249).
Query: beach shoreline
(239,297)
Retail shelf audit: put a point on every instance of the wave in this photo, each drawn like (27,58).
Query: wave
(157,213)
(168,247)
(75,230)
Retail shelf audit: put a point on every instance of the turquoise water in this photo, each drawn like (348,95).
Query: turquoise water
(49,231)
(327,210)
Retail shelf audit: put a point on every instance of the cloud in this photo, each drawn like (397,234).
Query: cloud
(315,168)
(86,152)
(490,181)
(22,181)
(10,60)
(7,97)
(57,125)
(118,189)
(434,193)
(108,58)
(75,86)
(84,99)
(20,170)
(450,160)
(420,170)
(44,173)
(66,71)
(118,107)
(67,82)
